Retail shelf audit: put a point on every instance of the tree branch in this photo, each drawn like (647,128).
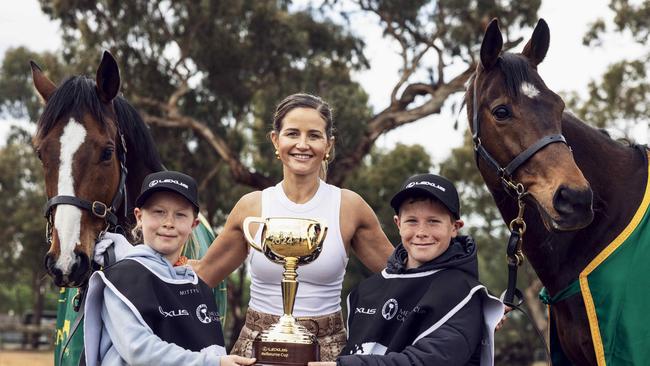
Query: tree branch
(389,119)
(239,172)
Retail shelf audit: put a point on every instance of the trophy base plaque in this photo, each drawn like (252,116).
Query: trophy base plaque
(284,354)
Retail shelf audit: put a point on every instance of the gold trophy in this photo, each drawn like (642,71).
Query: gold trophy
(291,242)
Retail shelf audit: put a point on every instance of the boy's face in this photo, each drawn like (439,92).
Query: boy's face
(167,219)
(426,228)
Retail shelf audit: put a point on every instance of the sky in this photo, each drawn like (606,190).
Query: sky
(568,66)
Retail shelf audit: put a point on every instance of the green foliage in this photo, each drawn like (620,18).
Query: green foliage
(620,98)
(381,176)
(17,97)
(23,247)
(622,94)
(458,25)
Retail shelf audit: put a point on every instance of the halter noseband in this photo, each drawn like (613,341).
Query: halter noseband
(96,208)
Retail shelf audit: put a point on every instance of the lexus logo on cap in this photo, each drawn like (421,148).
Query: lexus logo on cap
(424,182)
(171,181)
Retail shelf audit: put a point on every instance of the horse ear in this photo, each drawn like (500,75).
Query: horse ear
(491,46)
(536,48)
(43,85)
(108,78)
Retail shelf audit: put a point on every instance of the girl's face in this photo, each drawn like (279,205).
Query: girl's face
(302,142)
(167,219)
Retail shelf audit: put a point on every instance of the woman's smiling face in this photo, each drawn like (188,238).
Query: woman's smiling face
(302,141)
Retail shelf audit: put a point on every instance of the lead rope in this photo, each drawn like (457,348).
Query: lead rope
(515,258)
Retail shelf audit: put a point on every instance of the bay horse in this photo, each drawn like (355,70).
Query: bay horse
(585,188)
(82,140)
(95,150)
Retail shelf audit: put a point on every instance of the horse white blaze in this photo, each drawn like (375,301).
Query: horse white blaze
(529,90)
(68,218)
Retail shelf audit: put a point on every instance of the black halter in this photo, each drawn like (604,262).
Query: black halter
(96,208)
(505,174)
(514,189)
(512,296)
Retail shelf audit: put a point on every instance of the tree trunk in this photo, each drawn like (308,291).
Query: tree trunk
(39,301)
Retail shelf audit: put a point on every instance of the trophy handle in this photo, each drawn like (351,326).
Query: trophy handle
(321,234)
(246,226)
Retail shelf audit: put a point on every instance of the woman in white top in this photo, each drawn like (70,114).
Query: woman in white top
(302,136)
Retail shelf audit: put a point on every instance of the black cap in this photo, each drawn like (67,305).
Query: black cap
(434,185)
(172,181)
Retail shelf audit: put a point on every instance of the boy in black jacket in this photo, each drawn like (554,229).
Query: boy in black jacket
(427,307)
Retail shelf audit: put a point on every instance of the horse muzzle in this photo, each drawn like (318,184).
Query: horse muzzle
(76,276)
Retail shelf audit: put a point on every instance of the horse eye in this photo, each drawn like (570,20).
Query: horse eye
(501,112)
(38,153)
(107,154)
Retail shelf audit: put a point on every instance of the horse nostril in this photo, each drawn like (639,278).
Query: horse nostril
(54,272)
(48,263)
(569,201)
(80,268)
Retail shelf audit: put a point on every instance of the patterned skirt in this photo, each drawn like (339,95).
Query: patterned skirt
(328,329)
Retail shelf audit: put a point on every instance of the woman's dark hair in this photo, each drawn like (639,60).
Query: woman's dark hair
(303,100)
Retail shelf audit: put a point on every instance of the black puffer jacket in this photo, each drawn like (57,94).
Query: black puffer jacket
(456,341)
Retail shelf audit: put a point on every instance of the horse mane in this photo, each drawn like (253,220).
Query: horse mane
(77,96)
(137,135)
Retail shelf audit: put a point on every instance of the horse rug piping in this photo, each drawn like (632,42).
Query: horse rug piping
(615,287)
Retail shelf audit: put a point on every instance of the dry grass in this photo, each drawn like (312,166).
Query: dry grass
(31,358)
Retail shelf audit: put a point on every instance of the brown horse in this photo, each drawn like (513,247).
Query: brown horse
(585,186)
(82,138)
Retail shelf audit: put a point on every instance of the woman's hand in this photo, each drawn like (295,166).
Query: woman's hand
(234,360)
(318,363)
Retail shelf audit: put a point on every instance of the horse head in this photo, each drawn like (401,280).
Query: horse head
(516,125)
(79,143)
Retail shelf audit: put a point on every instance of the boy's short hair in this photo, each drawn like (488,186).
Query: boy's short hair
(428,185)
(171,181)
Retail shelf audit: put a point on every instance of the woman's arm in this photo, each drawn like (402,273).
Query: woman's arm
(368,240)
(229,249)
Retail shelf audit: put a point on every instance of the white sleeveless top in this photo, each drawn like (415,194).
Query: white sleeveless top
(321,281)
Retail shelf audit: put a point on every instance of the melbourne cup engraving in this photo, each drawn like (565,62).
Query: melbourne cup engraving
(291,242)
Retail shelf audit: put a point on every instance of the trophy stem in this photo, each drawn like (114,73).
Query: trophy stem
(289,285)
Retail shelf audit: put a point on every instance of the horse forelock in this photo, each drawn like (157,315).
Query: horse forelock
(76,97)
(516,73)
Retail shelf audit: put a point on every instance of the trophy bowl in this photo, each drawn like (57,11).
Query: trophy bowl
(291,242)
